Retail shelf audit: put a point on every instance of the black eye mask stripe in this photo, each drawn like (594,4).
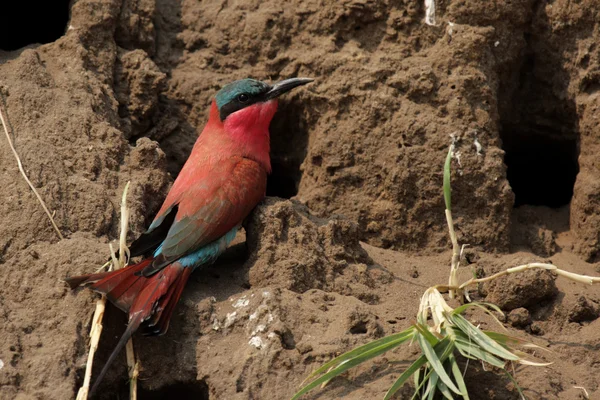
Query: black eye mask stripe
(236,105)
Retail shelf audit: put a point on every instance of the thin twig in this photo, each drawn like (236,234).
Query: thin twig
(453,279)
(133,365)
(96,329)
(589,280)
(134,370)
(585,392)
(95,333)
(12,147)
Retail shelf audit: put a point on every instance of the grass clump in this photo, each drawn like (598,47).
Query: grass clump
(442,334)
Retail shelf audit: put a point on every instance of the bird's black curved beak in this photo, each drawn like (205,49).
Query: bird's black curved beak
(285,86)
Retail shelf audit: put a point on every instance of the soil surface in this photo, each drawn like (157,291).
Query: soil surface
(353,230)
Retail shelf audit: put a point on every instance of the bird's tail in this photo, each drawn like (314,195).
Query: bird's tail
(150,301)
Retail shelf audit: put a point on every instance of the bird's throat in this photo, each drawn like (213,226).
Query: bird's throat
(249,129)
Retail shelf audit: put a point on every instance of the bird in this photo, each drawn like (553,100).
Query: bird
(222,181)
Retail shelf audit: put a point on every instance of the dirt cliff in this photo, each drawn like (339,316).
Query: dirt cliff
(118,93)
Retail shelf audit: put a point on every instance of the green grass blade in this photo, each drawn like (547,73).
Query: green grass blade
(418,387)
(447,187)
(397,337)
(413,369)
(510,341)
(443,389)
(431,386)
(347,364)
(418,375)
(441,386)
(443,350)
(482,339)
(504,339)
(424,330)
(481,304)
(460,382)
(435,362)
(472,351)
(485,307)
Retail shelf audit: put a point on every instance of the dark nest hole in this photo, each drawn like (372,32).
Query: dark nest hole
(540,134)
(289,141)
(28,22)
(541,165)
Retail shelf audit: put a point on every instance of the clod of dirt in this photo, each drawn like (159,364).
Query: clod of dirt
(583,310)
(519,317)
(536,329)
(414,273)
(542,241)
(521,290)
(469,255)
(135,28)
(362,324)
(291,248)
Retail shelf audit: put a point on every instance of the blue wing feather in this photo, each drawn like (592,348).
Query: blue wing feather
(206,254)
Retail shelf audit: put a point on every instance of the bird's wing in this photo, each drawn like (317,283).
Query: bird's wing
(208,201)
(149,241)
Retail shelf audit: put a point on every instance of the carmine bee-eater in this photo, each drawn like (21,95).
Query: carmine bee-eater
(224,178)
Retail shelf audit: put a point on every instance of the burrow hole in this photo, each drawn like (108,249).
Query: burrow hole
(541,165)
(540,138)
(28,22)
(289,141)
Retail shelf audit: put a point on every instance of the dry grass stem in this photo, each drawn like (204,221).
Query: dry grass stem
(447,190)
(134,370)
(585,392)
(96,329)
(589,280)
(22,170)
(123,249)
(133,366)
(95,333)
(453,279)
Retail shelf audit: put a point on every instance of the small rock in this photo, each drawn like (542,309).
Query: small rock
(304,348)
(469,256)
(583,310)
(414,273)
(536,329)
(521,290)
(257,342)
(519,317)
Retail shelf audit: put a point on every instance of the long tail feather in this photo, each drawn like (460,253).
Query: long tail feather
(131,328)
(150,301)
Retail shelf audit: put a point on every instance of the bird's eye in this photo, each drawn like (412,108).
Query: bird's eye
(242,98)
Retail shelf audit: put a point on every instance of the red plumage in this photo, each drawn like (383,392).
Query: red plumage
(221,182)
